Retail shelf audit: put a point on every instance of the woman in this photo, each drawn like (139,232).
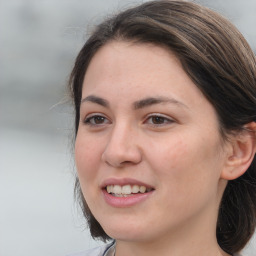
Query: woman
(165,101)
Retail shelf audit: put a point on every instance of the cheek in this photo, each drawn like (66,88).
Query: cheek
(188,165)
(87,157)
(167,155)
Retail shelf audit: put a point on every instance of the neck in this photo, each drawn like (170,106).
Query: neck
(168,249)
(171,247)
(193,239)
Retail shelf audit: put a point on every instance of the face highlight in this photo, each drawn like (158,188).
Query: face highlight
(148,149)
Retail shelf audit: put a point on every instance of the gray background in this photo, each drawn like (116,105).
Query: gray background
(38,43)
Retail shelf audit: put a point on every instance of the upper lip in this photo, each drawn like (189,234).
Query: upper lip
(124,181)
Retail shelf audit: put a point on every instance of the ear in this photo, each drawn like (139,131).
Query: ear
(241,152)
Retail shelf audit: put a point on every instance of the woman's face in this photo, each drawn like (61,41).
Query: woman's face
(144,125)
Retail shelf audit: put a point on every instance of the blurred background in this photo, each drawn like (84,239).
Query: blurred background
(38,44)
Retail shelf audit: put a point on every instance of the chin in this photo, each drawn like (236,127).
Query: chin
(128,237)
(125,231)
(132,234)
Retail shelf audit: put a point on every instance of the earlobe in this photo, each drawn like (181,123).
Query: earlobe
(241,153)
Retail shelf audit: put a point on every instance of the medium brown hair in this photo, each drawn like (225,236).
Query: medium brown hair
(219,61)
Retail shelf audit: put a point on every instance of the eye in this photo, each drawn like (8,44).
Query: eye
(95,120)
(158,120)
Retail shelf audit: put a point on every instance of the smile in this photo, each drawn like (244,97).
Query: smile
(126,190)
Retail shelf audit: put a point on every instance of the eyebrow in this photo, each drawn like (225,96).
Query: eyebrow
(137,104)
(97,100)
(156,100)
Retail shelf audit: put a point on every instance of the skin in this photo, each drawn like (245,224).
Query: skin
(181,154)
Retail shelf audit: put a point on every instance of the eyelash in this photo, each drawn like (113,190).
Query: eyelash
(88,120)
(91,120)
(165,120)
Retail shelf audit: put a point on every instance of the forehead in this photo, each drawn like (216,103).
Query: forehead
(117,56)
(135,62)
(122,67)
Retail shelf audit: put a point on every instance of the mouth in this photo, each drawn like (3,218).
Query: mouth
(127,190)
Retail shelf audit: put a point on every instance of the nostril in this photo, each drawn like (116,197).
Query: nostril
(127,163)
(120,158)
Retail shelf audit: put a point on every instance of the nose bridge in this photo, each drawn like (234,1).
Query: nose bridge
(122,146)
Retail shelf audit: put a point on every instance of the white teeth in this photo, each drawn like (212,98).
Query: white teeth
(142,189)
(109,188)
(126,190)
(135,189)
(118,190)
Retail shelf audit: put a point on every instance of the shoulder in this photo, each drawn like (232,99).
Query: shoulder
(104,250)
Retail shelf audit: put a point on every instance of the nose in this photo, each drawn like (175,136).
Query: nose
(122,148)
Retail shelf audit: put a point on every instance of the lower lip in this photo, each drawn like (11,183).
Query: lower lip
(122,202)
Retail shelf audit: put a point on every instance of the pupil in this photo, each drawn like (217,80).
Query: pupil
(99,119)
(157,120)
